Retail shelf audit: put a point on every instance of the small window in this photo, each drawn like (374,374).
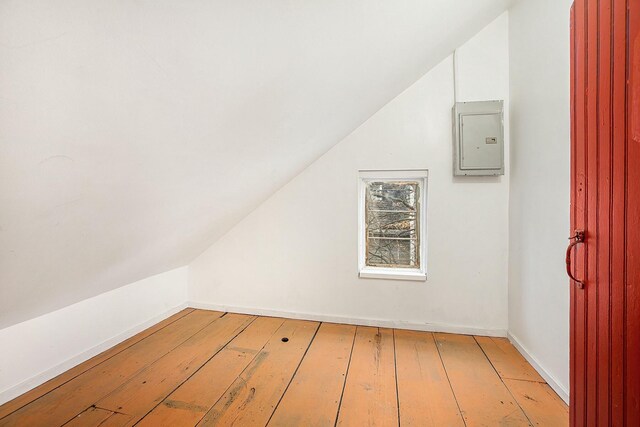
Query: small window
(392,224)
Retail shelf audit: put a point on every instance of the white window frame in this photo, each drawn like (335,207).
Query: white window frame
(369,272)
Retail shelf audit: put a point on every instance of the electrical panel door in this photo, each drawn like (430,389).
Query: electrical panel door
(479,138)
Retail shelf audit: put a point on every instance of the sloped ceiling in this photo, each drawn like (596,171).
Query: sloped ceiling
(133,134)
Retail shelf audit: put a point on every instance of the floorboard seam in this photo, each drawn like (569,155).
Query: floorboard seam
(395,366)
(502,381)
(494,339)
(435,341)
(188,311)
(294,373)
(346,374)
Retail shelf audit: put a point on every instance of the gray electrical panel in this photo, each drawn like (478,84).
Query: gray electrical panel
(478,138)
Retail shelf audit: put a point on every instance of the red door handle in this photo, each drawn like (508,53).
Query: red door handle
(577,238)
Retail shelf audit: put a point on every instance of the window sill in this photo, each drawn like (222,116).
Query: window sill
(392,274)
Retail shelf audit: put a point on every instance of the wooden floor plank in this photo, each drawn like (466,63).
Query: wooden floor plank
(251,399)
(200,367)
(145,390)
(313,397)
(192,400)
(541,404)
(65,402)
(482,396)
(424,393)
(507,360)
(67,376)
(370,396)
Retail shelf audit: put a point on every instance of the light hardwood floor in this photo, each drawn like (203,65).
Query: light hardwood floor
(210,368)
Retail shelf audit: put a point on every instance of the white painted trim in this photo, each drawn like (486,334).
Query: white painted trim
(392,274)
(41,378)
(360,321)
(550,379)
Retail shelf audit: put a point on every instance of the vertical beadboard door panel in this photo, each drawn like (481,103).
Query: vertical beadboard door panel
(633,216)
(578,201)
(600,411)
(618,234)
(605,203)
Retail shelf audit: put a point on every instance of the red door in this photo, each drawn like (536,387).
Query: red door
(605,204)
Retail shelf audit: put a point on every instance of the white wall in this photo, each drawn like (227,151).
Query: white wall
(125,125)
(39,349)
(540,184)
(297,253)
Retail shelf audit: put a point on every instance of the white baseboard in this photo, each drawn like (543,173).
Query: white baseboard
(550,379)
(397,324)
(39,349)
(53,372)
